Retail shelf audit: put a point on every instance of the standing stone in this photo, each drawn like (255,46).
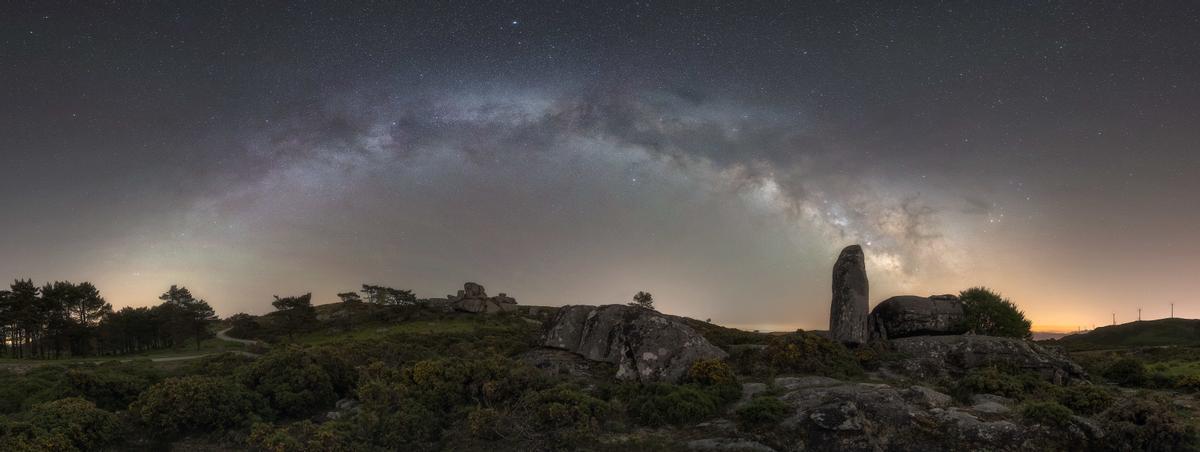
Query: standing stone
(848,311)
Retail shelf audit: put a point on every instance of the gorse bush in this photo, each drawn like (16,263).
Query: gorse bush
(297,381)
(62,425)
(196,404)
(1048,413)
(561,416)
(301,436)
(112,386)
(988,380)
(806,353)
(412,405)
(1085,399)
(1126,372)
(1147,422)
(989,314)
(717,377)
(761,413)
(659,404)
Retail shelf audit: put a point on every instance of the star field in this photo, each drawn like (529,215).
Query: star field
(715,154)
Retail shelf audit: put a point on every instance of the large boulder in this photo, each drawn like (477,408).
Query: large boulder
(909,315)
(473,298)
(484,306)
(933,357)
(644,345)
(848,310)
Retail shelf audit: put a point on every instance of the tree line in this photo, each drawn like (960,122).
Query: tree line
(67,319)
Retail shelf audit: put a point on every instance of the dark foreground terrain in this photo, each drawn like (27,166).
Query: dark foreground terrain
(367,377)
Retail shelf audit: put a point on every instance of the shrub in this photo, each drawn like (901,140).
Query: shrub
(717,377)
(1085,399)
(658,404)
(392,422)
(1190,382)
(1146,422)
(196,404)
(1126,372)
(67,424)
(221,365)
(989,314)
(297,381)
(988,380)
(710,372)
(301,436)
(1047,413)
(761,413)
(412,405)
(561,416)
(112,386)
(807,353)
(484,423)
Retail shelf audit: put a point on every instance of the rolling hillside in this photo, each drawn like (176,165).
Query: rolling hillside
(1146,333)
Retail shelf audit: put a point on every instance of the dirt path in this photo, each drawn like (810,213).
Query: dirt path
(22,366)
(225,337)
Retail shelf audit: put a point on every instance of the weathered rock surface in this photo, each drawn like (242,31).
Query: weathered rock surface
(848,310)
(644,344)
(926,357)
(844,416)
(727,444)
(473,298)
(564,363)
(909,315)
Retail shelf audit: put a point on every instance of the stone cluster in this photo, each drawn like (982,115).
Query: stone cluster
(473,298)
(930,332)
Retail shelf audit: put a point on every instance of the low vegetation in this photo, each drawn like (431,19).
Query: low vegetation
(987,313)
(395,375)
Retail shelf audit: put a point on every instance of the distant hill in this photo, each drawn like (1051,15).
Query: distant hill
(1046,335)
(1145,333)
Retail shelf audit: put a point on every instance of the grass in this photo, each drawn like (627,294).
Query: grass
(208,346)
(379,330)
(1176,368)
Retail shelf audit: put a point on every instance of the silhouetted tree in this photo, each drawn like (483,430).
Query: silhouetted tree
(244,326)
(187,314)
(26,318)
(350,303)
(388,296)
(350,297)
(297,312)
(643,299)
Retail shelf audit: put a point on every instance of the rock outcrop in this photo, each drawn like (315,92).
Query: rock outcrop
(644,345)
(909,315)
(932,357)
(848,311)
(473,298)
(828,414)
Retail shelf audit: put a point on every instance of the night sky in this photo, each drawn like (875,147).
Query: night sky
(716,155)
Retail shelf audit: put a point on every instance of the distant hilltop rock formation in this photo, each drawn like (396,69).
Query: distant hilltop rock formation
(474,299)
(644,345)
(848,311)
(910,315)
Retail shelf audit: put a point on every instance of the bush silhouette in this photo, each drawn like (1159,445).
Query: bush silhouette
(989,314)
(196,404)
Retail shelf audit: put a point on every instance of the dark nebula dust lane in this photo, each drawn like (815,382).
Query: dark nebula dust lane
(718,156)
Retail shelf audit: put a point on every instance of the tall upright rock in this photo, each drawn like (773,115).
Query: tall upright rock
(848,311)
